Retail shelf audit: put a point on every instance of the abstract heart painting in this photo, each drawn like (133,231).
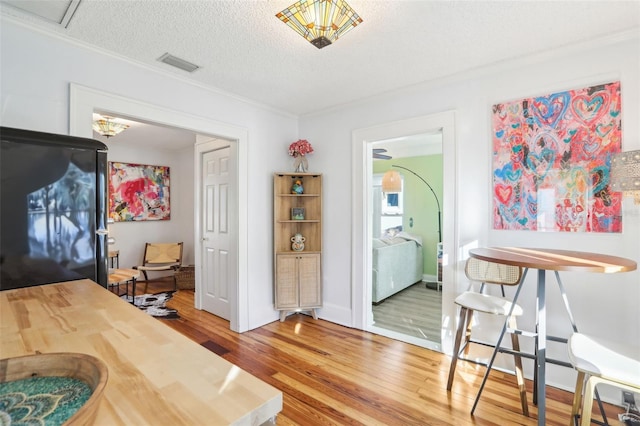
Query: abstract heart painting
(552,159)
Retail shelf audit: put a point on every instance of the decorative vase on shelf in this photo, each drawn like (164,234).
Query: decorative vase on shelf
(300,164)
(298,150)
(297,242)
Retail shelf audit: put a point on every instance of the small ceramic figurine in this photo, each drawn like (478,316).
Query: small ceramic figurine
(297,187)
(297,242)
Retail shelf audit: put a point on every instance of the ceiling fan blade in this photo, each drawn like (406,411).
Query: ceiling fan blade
(382,156)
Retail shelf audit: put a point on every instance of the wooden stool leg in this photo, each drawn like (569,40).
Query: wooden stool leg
(577,398)
(587,401)
(467,333)
(462,322)
(515,344)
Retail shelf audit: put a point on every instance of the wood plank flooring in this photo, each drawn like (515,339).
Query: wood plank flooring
(334,375)
(415,311)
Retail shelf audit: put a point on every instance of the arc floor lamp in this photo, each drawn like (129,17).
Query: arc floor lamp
(392,182)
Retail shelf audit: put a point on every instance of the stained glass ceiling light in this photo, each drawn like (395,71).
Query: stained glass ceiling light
(320,21)
(107,127)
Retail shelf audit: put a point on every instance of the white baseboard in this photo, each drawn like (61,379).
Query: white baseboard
(336,314)
(429,278)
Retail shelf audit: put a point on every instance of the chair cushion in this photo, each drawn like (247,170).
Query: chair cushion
(596,359)
(165,267)
(486,303)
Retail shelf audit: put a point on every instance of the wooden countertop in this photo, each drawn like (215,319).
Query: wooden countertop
(156,375)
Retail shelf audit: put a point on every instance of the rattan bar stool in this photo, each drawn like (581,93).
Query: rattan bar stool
(480,271)
(597,364)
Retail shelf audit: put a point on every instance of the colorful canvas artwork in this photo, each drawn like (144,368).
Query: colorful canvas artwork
(551,161)
(138,192)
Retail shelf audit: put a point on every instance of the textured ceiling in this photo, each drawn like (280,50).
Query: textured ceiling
(245,50)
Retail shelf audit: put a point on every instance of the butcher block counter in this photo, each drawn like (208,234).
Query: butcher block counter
(157,376)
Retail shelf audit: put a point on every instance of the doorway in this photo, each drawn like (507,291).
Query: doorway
(407,189)
(83,102)
(363,145)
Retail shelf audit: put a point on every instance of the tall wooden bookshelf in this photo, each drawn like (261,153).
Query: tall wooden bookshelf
(298,278)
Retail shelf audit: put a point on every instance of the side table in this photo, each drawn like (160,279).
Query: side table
(124,276)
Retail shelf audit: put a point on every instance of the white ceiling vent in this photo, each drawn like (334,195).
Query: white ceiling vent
(174,61)
(57,11)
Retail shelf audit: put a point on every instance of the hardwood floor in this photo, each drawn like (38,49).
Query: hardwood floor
(415,311)
(334,375)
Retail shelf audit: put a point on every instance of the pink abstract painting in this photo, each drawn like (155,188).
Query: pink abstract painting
(138,192)
(551,161)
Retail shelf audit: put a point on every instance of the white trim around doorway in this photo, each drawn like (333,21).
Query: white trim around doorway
(362,147)
(83,101)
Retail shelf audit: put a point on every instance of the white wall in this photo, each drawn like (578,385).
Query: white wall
(604,305)
(37,69)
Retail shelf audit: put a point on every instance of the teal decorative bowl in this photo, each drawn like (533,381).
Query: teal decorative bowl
(56,388)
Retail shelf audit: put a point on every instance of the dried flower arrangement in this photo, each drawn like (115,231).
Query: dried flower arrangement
(300,147)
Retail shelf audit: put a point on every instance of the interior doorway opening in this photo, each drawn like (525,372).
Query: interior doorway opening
(84,101)
(364,146)
(405,236)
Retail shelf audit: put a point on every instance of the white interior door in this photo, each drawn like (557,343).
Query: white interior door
(219,259)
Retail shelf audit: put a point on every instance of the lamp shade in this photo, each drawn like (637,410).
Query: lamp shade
(625,174)
(107,127)
(391,182)
(321,22)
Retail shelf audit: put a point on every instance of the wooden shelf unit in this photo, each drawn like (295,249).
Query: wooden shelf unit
(298,278)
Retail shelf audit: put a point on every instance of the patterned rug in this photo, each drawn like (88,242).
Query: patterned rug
(155,304)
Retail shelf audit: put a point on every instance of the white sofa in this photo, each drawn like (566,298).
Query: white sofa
(397,264)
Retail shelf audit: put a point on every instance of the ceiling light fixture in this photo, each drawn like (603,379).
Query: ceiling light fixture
(107,127)
(321,22)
